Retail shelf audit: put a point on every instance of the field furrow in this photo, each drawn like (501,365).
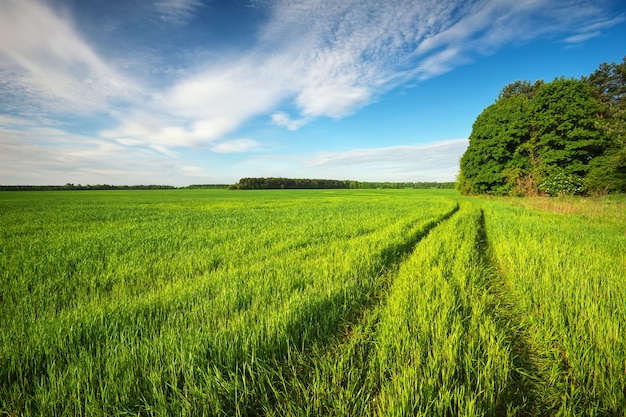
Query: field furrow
(335,378)
(440,350)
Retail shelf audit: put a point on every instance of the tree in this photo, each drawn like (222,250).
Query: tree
(565,131)
(520,88)
(607,173)
(566,136)
(492,155)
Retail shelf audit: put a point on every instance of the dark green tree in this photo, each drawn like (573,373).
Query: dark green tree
(607,173)
(566,134)
(492,161)
(520,88)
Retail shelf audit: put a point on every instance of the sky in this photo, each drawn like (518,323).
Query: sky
(181,92)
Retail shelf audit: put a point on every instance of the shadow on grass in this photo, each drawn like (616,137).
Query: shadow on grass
(523,394)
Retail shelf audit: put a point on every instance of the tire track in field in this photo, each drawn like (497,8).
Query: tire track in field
(523,393)
(333,378)
(393,255)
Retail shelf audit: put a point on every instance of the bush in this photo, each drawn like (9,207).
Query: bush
(561,183)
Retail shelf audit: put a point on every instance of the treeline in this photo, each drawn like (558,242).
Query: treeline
(207,186)
(278,183)
(70,187)
(243,184)
(567,136)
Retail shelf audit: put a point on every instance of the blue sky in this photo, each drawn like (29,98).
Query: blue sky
(206,91)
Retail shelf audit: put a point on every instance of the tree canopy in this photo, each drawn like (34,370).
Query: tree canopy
(567,136)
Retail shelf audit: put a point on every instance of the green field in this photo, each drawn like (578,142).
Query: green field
(317,302)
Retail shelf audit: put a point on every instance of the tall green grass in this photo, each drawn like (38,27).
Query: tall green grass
(567,276)
(440,350)
(183,302)
(352,302)
(432,344)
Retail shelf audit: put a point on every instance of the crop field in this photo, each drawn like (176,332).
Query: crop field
(310,302)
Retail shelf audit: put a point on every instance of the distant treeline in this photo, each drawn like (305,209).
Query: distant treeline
(69,187)
(207,186)
(306,183)
(243,184)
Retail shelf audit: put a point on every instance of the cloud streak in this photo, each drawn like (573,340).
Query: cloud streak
(328,59)
(436,161)
(176,11)
(236,146)
(594,29)
(46,65)
(52,156)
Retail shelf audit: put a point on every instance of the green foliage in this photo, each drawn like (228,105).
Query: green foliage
(524,88)
(561,183)
(538,138)
(494,146)
(564,124)
(289,183)
(608,173)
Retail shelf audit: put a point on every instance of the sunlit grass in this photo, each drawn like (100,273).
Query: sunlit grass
(568,276)
(138,305)
(352,302)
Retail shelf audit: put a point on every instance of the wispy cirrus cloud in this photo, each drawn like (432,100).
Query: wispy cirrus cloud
(283,119)
(176,11)
(433,161)
(34,155)
(330,59)
(236,146)
(594,29)
(343,55)
(45,64)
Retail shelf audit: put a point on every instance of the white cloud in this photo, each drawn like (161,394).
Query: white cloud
(46,65)
(319,58)
(176,11)
(581,37)
(236,145)
(53,156)
(7,121)
(593,29)
(196,173)
(282,119)
(332,58)
(224,96)
(437,161)
(327,58)
(142,129)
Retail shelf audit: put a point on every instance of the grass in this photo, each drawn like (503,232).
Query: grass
(317,302)
(567,274)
